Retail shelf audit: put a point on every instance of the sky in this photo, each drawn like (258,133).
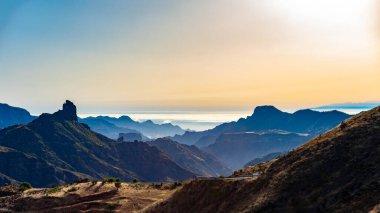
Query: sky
(178,55)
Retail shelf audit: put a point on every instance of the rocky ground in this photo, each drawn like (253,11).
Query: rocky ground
(85,197)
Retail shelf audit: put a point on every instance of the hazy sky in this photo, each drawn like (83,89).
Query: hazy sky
(120,55)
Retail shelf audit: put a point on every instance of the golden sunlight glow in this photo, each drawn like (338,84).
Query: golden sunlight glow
(229,54)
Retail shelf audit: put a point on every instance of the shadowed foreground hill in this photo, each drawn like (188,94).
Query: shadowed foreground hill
(57,149)
(336,172)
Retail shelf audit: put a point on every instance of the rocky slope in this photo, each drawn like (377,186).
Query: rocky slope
(56,149)
(191,158)
(13,115)
(336,172)
(84,197)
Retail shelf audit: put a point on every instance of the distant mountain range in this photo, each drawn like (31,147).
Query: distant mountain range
(192,158)
(337,171)
(266,131)
(268,118)
(56,149)
(10,116)
(111,127)
(108,126)
(234,143)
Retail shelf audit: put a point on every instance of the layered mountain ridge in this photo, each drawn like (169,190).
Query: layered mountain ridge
(56,149)
(337,171)
(269,118)
(125,124)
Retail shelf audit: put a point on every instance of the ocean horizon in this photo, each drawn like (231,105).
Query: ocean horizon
(199,121)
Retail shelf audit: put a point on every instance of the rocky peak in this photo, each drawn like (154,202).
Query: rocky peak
(68,112)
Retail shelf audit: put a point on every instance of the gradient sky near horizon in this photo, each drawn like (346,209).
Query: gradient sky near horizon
(109,56)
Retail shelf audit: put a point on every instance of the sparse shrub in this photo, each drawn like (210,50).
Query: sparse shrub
(155,186)
(110,207)
(94,182)
(24,186)
(111,180)
(135,181)
(72,189)
(221,176)
(83,180)
(118,184)
(54,190)
(343,125)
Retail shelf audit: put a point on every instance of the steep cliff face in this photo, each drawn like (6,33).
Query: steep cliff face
(336,172)
(56,149)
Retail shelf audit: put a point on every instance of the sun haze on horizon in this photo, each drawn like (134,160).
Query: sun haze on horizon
(188,55)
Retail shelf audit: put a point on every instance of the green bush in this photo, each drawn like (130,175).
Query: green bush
(24,186)
(117,184)
(54,190)
(111,180)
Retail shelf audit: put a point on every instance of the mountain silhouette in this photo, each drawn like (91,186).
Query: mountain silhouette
(268,118)
(57,149)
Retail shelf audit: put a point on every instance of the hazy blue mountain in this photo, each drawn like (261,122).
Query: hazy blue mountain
(57,149)
(267,118)
(147,128)
(191,158)
(106,128)
(10,115)
(236,149)
(264,158)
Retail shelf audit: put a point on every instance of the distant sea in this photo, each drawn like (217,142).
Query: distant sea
(199,121)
